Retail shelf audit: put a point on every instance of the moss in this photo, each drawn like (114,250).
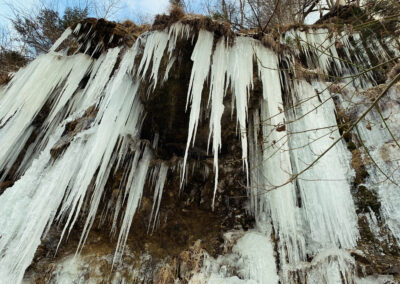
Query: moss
(347,137)
(351,146)
(357,164)
(366,199)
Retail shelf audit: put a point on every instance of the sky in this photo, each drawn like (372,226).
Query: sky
(129,9)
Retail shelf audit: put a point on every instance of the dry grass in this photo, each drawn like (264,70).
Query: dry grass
(167,274)
(197,22)
(191,260)
(373,92)
(393,72)
(300,72)
(337,88)
(357,162)
(269,40)
(175,14)
(4,78)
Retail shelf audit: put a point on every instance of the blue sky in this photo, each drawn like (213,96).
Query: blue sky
(129,9)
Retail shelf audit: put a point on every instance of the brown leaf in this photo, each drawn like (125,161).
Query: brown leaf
(281,127)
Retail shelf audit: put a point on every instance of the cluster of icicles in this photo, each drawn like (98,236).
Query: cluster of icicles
(52,191)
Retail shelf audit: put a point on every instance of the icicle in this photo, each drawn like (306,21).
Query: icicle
(153,52)
(77,28)
(271,166)
(217,92)
(169,66)
(29,91)
(175,31)
(98,80)
(135,194)
(113,116)
(201,58)
(240,74)
(61,39)
(158,191)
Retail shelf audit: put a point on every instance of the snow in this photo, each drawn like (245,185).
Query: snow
(70,271)
(258,258)
(252,258)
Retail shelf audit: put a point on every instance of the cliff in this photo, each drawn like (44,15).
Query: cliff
(186,152)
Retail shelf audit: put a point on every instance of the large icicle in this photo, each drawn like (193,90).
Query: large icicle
(217,92)
(153,52)
(274,165)
(240,74)
(201,58)
(135,194)
(61,39)
(119,108)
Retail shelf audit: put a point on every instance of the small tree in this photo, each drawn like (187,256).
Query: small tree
(38,33)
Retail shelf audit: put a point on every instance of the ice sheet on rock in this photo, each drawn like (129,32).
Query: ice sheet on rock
(324,188)
(375,279)
(385,152)
(251,261)
(70,271)
(30,206)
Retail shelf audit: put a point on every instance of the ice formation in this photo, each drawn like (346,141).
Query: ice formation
(312,215)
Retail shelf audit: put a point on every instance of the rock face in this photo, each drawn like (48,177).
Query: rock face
(189,154)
